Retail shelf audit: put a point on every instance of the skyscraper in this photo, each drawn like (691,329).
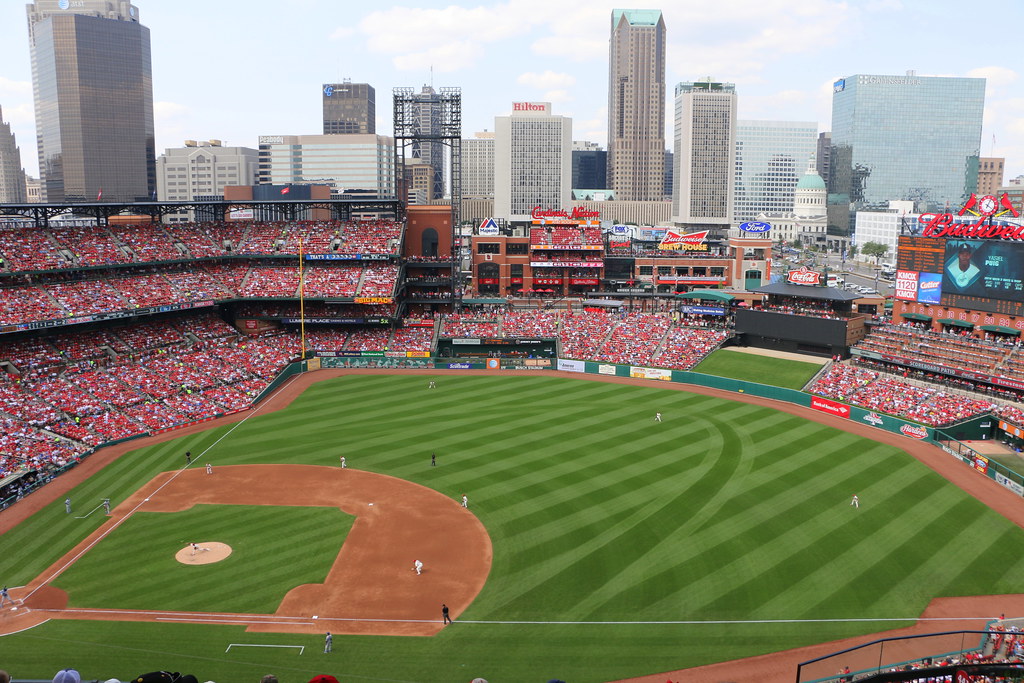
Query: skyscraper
(427,110)
(704,154)
(589,166)
(93,87)
(532,161)
(771,156)
(12,175)
(478,166)
(636,105)
(914,138)
(349,108)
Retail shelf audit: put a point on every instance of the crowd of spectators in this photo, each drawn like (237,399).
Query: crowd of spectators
(471,325)
(634,339)
(331,281)
(888,394)
(684,347)
(581,334)
(379,280)
(148,242)
(275,281)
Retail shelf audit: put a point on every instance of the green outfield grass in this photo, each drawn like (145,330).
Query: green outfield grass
(777,372)
(598,515)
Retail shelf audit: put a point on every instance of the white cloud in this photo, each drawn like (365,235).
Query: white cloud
(557,96)
(547,79)
(443,58)
(9,88)
(163,111)
(342,32)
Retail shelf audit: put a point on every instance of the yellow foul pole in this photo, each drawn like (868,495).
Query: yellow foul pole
(302,302)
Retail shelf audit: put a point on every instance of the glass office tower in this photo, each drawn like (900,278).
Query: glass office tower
(771,157)
(910,137)
(93,86)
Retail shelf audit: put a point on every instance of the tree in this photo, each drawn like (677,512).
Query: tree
(875,249)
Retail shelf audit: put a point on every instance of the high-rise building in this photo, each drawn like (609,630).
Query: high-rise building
(12,175)
(532,161)
(478,166)
(93,87)
(344,162)
(589,166)
(427,110)
(990,175)
(202,169)
(824,154)
(349,108)
(771,156)
(704,154)
(912,138)
(636,105)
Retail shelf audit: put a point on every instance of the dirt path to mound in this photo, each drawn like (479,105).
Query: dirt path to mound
(972,612)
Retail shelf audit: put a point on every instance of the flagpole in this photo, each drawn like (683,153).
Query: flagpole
(302,303)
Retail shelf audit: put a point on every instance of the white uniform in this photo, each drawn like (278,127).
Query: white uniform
(657,417)
(855,502)
(418,566)
(465,501)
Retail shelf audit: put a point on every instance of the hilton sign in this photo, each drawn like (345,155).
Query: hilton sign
(532,106)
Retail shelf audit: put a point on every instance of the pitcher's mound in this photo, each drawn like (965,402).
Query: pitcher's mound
(205,553)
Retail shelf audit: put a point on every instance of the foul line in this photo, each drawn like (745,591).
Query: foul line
(174,476)
(302,648)
(90,512)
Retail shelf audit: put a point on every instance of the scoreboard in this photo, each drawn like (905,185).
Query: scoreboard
(981,275)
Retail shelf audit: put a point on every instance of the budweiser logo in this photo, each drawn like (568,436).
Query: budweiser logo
(914,431)
(691,241)
(804,276)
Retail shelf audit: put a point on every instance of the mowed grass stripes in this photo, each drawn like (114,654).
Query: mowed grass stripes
(597,513)
(274,549)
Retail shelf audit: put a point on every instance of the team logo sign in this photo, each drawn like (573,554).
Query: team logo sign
(874,418)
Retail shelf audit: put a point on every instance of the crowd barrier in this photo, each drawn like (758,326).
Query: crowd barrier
(994,470)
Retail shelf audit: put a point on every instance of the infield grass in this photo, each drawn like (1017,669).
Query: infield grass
(599,517)
(777,372)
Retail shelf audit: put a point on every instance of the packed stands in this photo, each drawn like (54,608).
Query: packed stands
(91,246)
(530,323)
(275,281)
(197,285)
(686,346)
(198,241)
(370,237)
(411,339)
(326,338)
(86,297)
(331,281)
(634,340)
(581,334)
(470,325)
(27,304)
(560,237)
(379,280)
(148,242)
(30,249)
(368,339)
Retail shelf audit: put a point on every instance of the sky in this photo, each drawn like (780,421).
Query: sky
(234,70)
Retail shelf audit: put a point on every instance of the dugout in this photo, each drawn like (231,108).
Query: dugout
(497,347)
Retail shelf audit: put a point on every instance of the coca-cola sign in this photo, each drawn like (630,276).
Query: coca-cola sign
(804,276)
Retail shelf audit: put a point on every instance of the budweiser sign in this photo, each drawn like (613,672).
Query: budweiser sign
(804,276)
(693,241)
(985,208)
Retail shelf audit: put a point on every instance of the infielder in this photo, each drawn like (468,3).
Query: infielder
(328,641)
(5,597)
(343,465)
(67,505)
(209,468)
(465,501)
(418,566)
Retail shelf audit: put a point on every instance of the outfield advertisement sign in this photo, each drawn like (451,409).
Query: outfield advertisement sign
(831,407)
(566,365)
(459,366)
(650,373)
(702,310)
(606,369)
(1010,484)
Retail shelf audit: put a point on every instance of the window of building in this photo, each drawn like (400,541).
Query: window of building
(517,249)
(488,248)
(647,270)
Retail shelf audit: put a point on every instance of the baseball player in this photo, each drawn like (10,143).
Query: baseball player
(67,505)
(465,501)
(855,502)
(328,642)
(209,468)
(657,417)
(444,614)
(343,465)
(431,385)
(418,566)
(5,596)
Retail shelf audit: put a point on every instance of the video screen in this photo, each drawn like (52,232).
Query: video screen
(987,275)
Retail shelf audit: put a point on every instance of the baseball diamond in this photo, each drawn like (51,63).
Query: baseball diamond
(724,533)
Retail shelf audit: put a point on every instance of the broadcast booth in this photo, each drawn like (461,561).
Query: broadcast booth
(801,316)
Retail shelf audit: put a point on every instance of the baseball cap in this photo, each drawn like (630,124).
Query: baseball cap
(323,678)
(67,676)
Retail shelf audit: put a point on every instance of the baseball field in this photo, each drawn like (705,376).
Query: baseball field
(598,544)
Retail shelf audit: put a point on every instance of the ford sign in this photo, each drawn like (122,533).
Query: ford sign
(755,226)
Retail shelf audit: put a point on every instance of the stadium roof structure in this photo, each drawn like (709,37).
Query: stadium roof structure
(808,292)
(707,294)
(995,328)
(955,322)
(917,316)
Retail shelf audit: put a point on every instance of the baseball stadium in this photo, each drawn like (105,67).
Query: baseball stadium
(353,445)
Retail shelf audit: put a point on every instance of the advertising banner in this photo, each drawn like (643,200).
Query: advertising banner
(606,369)
(567,365)
(906,285)
(831,407)
(493,364)
(702,310)
(1010,484)
(650,373)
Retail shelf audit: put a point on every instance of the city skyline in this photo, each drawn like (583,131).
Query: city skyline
(783,62)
